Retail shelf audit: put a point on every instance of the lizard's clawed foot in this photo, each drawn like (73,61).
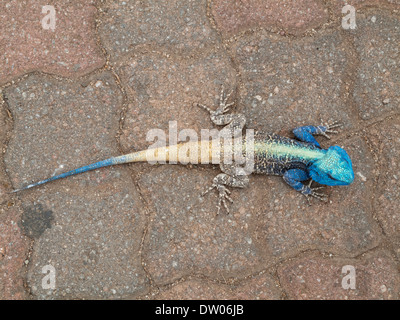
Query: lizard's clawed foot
(223,105)
(310,192)
(223,195)
(327,128)
(223,99)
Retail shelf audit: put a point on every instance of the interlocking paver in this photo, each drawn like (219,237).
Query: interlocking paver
(294,17)
(288,82)
(144,231)
(14,248)
(89,228)
(377,88)
(162,89)
(361,4)
(185,235)
(315,277)
(25,46)
(385,139)
(14,245)
(173,24)
(262,287)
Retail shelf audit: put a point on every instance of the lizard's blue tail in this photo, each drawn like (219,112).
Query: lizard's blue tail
(93,166)
(139,156)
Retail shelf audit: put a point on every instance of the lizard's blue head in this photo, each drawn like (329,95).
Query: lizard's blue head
(333,169)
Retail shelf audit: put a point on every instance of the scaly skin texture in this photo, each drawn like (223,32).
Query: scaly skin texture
(295,160)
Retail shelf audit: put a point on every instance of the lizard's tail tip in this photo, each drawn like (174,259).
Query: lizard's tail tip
(14,191)
(22,189)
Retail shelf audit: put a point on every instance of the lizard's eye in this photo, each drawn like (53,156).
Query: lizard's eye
(331,177)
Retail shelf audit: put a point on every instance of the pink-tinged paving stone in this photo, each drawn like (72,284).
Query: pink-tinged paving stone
(360,4)
(294,17)
(315,277)
(13,253)
(70,50)
(262,287)
(13,244)
(5,129)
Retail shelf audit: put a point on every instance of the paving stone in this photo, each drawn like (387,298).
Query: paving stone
(286,225)
(174,24)
(316,277)
(261,287)
(186,236)
(13,244)
(285,83)
(44,108)
(162,89)
(5,127)
(268,221)
(377,87)
(70,50)
(386,143)
(89,227)
(168,57)
(360,4)
(274,210)
(14,248)
(294,17)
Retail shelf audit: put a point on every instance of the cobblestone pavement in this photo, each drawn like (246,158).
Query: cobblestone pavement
(92,85)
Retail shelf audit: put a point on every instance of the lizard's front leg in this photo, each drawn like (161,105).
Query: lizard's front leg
(306,133)
(294,178)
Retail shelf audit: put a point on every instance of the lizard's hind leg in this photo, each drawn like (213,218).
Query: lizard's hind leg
(233,175)
(230,178)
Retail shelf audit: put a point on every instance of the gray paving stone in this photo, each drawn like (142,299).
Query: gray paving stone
(92,223)
(162,89)
(285,225)
(385,138)
(361,4)
(285,83)
(186,236)
(5,127)
(374,276)
(174,24)
(377,88)
(14,245)
(262,287)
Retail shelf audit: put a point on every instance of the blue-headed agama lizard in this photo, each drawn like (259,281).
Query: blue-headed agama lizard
(295,160)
